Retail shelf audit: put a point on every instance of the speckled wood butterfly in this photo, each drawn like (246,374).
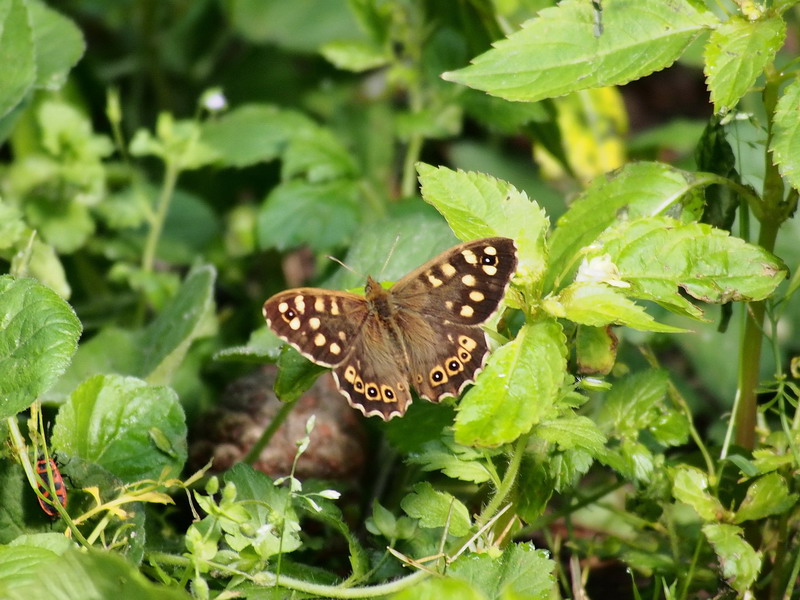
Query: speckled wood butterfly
(424,332)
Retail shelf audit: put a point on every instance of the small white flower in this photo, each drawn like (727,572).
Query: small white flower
(600,269)
(214,100)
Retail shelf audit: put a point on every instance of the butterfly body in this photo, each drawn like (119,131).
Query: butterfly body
(424,332)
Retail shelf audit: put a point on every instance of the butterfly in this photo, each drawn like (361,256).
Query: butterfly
(422,333)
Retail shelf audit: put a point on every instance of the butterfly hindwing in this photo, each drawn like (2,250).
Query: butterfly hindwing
(322,325)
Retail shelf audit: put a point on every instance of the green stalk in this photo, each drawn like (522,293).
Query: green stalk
(509,479)
(157,224)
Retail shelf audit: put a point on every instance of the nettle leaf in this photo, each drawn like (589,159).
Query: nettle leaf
(111,419)
(521,571)
(435,588)
(636,190)
(38,335)
(740,563)
(572,432)
(355,55)
(17,54)
(658,255)
(166,340)
(254,133)
(736,54)
(690,486)
(476,205)
(519,385)
(632,459)
(767,495)
(296,374)
(558,52)
(90,573)
(785,143)
(597,304)
(59,45)
(321,215)
(434,509)
(595,350)
(633,403)
(452,459)
(318,156)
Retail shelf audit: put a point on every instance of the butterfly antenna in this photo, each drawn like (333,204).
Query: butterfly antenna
(389,256)
(341,264)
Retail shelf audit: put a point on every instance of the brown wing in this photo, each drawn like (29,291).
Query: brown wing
(373,377)
(462,285)
(322,325)
(439,308)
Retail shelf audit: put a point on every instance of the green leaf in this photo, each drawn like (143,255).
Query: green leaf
(19,564)
(785,144)
(38,335)
(598,304)
(767,495)
(736,54)
(166,340)
(322,215)
(454,460)
(108,420)
(436,509)
(634,403)
(521,571)
(436,588)
(740,563)
(17,54)
(520,383)
(572,432)
(558,52)
(90,574)
(658,255)
(636,190)
(595,350)
(254,133)
(355,55)
(690,485)
(59,45)
(477,205)
(296,374)
(319,156)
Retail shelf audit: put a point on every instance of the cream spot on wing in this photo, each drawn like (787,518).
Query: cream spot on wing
(314,323)
(476,296)
(294,324)
(467,311)
(489,269)
(319,304)
(448,270)
(282,307)
(448,304)
(319,340)
(350,374)
(342,336)
(334,306)
(468,280)
(300,304)
(467,343)
(335,348)
(433,280)
(470,257)
(490,250)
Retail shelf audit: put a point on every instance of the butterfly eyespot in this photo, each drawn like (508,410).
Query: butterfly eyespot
(464,356)
(467,343)
(438,376)
(453,365)
(372,391)
(388,393)
(488,260)
(359,385)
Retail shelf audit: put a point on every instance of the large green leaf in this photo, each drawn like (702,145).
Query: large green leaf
(736,54)
(690,486)
(38,335)
(740,563)
(436,509)
(659,255)
(132,429)
(477,205)
(59,45)
(636,190)
(785,144)
(559,51)
(17,54)
(519,385)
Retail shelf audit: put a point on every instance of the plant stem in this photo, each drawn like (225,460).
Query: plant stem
(157,225)
(509,479)
(266,436)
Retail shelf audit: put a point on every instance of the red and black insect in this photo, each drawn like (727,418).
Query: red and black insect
(58,486)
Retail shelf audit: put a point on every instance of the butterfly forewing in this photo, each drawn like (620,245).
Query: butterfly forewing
(322,325)
(462,285)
